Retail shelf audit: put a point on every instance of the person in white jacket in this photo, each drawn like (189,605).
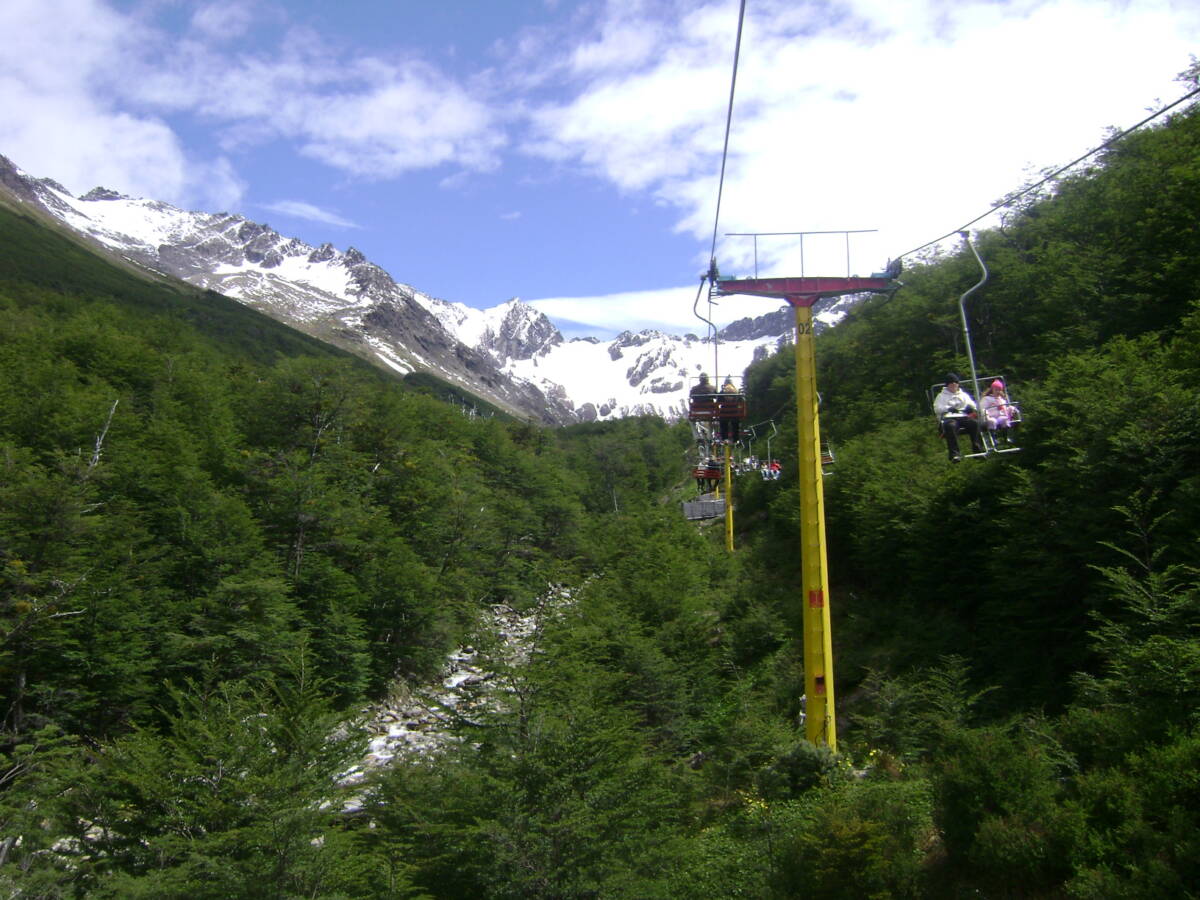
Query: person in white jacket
(956,411)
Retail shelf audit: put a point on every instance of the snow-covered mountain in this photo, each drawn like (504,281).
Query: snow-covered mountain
(510,354)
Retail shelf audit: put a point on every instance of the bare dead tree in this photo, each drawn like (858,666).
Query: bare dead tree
(99,448)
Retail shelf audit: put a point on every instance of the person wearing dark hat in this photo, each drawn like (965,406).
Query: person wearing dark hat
(702,410)
(956,411)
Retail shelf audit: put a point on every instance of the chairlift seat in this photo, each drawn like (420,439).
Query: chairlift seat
(713,407)
(731,406)
(703,509)
(702,408)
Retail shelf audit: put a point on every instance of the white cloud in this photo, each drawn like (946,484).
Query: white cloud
(60,46)
(63,114)
(670,310)
(301,210)
(72,68)
(364,115)
(625,41)
(125,153)
(638,132)
(907,117)
(408,118)
(224,19)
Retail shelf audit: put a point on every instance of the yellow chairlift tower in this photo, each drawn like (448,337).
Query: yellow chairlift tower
(801,293)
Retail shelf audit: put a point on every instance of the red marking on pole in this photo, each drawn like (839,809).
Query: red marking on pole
(816,599)
(819,685)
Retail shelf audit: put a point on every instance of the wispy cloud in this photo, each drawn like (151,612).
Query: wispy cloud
(909,118)
(223,19)
(300,210)
(394,120)
(671,310)
(362,115)
(58,117)
(85,67)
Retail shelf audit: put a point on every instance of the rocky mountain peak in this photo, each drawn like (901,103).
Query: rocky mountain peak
(369,280)
(510,354)
(324,253)
(15,181)
(770,325)
(102,193)
(524,332)
(52,185)
(248,232)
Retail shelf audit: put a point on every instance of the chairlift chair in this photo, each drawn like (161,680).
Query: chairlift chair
(827,459)
(707,507)
(716,406)
(986,434)
(708,473)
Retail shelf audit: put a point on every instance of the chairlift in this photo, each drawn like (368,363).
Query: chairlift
(716,409)
(997,419)
(707,507)
(774,434)
(996,431)
(725,402)
(708,474)
(763,466)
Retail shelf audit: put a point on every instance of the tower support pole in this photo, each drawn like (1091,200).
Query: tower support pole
(820,725)
(728,501)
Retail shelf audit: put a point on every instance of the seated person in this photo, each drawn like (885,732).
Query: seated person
(730,425)
(1001,415)
(954,408)
(892,271)
(703,389)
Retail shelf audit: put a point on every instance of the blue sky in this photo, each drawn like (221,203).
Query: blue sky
(568,152)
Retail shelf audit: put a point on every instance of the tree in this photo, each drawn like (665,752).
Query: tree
(237,795)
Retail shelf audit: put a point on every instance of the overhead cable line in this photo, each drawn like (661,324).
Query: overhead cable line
(737,49)
(1010,200)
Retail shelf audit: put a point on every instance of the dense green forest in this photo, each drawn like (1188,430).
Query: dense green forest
(220,541)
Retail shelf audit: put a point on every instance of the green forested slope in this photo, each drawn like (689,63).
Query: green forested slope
(1090,310)
(219,541)
(218,538)
(1057,586)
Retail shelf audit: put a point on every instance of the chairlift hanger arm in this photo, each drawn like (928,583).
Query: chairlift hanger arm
(696,305)
(962,309)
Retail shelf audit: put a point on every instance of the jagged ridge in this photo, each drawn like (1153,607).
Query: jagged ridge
(510,354)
